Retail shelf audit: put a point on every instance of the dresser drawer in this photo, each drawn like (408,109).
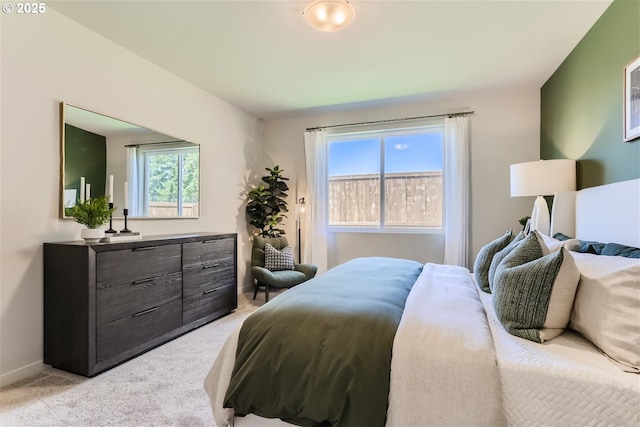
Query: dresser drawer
(127,266)
(198,279)
(208,302)
(124,300)
(122,335)
(199,253)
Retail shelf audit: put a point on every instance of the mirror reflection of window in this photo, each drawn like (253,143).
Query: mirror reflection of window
(164,180)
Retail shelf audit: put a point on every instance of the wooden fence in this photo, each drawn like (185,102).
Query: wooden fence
(170,210)
(411,200)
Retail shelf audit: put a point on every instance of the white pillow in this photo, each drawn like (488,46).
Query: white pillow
(551,244)
(606,310)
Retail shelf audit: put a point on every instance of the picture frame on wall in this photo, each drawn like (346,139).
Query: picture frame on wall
(632,100)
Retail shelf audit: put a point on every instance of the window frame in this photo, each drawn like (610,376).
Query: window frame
(380,134)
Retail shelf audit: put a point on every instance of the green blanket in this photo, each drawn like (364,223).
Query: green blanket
(320,353)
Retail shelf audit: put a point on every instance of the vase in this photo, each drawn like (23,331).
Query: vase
(92,235)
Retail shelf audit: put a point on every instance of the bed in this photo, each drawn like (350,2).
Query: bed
(443,353)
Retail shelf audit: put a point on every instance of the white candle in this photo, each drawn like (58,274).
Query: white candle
(110,189)
(126,195)
(88,191)
(82,189)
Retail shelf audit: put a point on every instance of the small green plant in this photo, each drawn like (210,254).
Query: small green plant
(93,212)
(266,203)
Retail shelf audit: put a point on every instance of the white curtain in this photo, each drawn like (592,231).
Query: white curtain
(133,184)
(456,243)
(315,234)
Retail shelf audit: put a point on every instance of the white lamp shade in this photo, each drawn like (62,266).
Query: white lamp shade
(329,15)
(543,177)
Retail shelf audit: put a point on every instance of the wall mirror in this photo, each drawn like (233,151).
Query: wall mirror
(153,175)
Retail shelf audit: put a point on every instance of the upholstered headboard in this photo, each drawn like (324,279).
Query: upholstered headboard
(607,213)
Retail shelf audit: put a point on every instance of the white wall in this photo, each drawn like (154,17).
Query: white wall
(504,130)
(47,59)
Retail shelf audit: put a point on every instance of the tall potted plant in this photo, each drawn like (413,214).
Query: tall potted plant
(92,213)
(266,204)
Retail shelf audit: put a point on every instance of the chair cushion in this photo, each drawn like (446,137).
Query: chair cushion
(278,279)
(309,270)
(276,260)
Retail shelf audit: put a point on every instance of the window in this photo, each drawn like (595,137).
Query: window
(390,180)
(169,181)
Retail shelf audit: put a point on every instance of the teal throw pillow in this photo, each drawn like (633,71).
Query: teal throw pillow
(485,256)
(616,249)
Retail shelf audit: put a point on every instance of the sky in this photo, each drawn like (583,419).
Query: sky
(404,153)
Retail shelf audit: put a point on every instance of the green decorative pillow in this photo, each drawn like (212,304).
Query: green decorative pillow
(533,293)
(276,260)
(501,255)
(485,256)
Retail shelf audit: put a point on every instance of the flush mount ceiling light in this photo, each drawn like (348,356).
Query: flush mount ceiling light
(329,15)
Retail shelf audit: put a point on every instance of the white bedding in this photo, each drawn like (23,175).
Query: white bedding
(563,382)
(443,369)
(452,381)
(452,365)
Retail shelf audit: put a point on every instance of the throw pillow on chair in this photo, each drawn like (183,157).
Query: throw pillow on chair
(278,260)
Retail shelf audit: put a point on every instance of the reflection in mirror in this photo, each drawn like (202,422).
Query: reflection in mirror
(151,174)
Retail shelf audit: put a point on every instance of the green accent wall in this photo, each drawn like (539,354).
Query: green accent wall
(581,110)
(85,154)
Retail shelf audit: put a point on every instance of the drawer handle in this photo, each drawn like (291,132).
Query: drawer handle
(150,310)
(146,248)
(204,267)
(208,291)
(149,279)
(138,282)
(209,241)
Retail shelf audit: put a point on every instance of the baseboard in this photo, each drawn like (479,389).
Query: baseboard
(246,287)
(21,373)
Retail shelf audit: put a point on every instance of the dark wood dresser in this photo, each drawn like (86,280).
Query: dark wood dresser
(105,303)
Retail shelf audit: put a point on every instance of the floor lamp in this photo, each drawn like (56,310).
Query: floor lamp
(300,211)
(542,178)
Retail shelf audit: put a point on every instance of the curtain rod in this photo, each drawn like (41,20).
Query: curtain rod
(156,143)
(405,119)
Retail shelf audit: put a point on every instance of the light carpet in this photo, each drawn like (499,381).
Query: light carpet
(163,387)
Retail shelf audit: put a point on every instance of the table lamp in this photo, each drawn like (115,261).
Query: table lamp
(542,178)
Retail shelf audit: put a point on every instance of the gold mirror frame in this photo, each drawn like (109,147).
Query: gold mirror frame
(80,127)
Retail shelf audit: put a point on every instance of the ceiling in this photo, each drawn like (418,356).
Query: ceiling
(261,56)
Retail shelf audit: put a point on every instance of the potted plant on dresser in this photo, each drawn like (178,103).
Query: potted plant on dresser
(93,213)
